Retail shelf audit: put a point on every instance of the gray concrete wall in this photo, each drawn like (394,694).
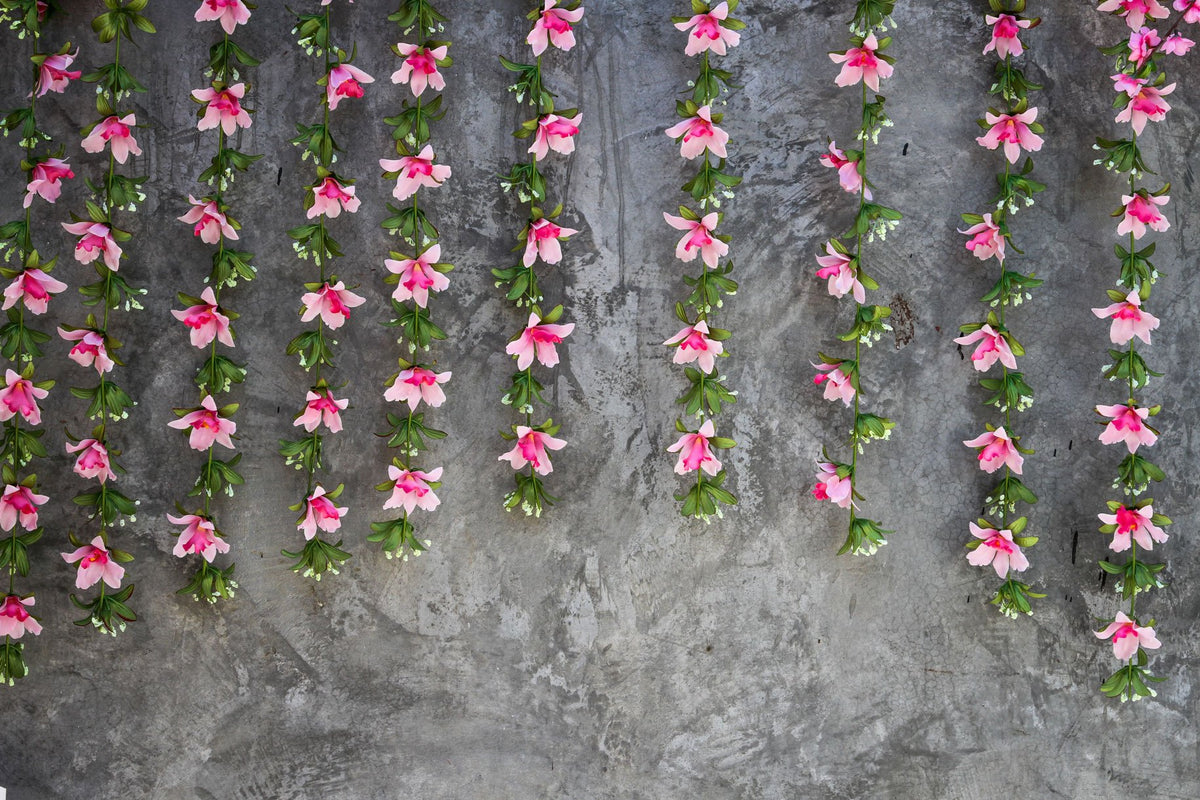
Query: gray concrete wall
(612,650)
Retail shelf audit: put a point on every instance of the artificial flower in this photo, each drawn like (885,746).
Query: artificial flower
(322,407)
(996,450)
(531,448)
(1127,424)
(1127,636)
(89,349)
(707,32)
(206,321)
(19,504)
(46,180)
(997,549)
(1190,9)
(95,240)
(230,13)
(1141,210)
(695,452)
(698,133)
(1177,44)
(1142,44)
(320,512)
(553,27)
(15,621)
(693,344)
(33,287)
(992,346)
(848,175)
(1135,11)
(1128,319)
(986,239)
(698,239)
(19,396)
(862,64)
(53,75)
(115,133)
(555,133)
(838,385)
(1146,103)
(418,276)
(1013,131)
(207,426)
(1005,30)
(199,536)
(210,223)
(413,172)
(93,460)
(223,107)
(839,268)
(829,486)
(541,241)
(538,340)
(420,68)
(1133,524)
(344,80)
(331,303)
(331,197)
(411,489)
(417,384)
(95,564)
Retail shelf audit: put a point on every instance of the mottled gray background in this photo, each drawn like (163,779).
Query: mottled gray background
(611,649)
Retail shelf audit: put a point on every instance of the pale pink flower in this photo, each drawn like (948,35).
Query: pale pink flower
(223,108)
(344,80)
(19,504)
(698,239)
(320,512)
(46,180)
(1141,209)
(411,489)
(89,349)
(699,133)
(207,426)
(1177,44)
(1135,11)
(33,287)
(838,385)
(413,172)
(208,221)
(538,340)
(230,13)
(829,486)
(20,396)
(553,27)
(1142,44)
(53,75)
(707,32)
(115,133)
(695,452)
(997,549)
(847,170)
(420,68)
(1127,636)
(1134,524)
(1128,320)
(541,241)
(992,346)
(531,448)
(555,133)
(95,564)
(95,240)
(93,460)
(331,197)
(1128,425)
(996,450)
(322,407)
(1013,131)
(986,240)
(1190,9)
(862,64)
(1005,30)
(1146,102)
(842,274)
(199,536)
(694,344)
(331,303)
(15,620)
(206,321)
(417,276)
(415,384)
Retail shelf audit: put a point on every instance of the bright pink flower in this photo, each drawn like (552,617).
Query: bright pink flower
(415,384)
(992,346)
(411,489)
(230,13)
(198,536)
(838,385)
(1178,45)
(95,240)
(46,180)
(95,564)
(832,488)
(555,133)
(996,450)
(344,80)
(209,222)
(330,198)
(695,345)
(1141,209)
(320,512)
(15,620)
(413,172)
(842,274)
(847,170)
(1127,424)
(322,407)
(1146,102)
(1128,320)
(694,451)
(19,504)
(115,133)
(553,27)
(1142,44)
(538,340)
(1135,524)
(417,276)
(1135,11)
(1013,131)
(223,108)
(93,460)
(208,426)
(699,239)
(531,448)
(1190,9)
(1127,636)
(997,549)
(986,240)
(331,303)
(32,287)
(53,75)
(89,349)
(541,241)
(1005,30)
(20,396)
(697,134)
(420,68)
(709,33)
(861,64)
(206,321)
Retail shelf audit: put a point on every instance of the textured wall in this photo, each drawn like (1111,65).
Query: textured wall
(611,650)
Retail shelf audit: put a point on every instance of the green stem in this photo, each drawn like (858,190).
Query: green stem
(858,257)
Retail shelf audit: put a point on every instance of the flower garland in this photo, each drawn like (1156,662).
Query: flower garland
(1140,84)
(94,346)
(208,322)
(843,267)
(327,300)
(415,274)
(29,290)
(555,130)
(710,31)
(999,543)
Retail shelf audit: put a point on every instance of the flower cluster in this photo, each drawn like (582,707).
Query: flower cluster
(1140,84)
(551,129)
(843,267)
(327,301)
(418,273)
(710,31)
(998,542)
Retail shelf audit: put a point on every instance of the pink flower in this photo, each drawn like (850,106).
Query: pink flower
(553,27)
(555,133)
(996,450)
(93,460)
(1142,44)
(1135,11)
(95,564)
(838,385)
(1128,320)
(331,197)
(1135,523)
(206,321)
(208,426)
(209,222)
(699,239)
(331,303)
(198,536)
(992,346)
(411,489)
(20,396)
(1177,44)
(320,512)
(415,384)
(1013,130)
(95,239)
(53,75)
(1005,29)
(413,172)
(997,549)
(344,80)
(861,64)
(115,133)
(1141,209)
(1190,9)
(840,269)
(709,33)
(697,134)
(15,620)
(417,276)
(986,240)
(1146,102)
(832,488)
(1127,637)
(46,180)
(230,13)
(420,68)
(541,241)
(848,175)
(694,344)
(1127,424)
(19,504)
(32,287)
(538,340)
(694,451)
(322,407)
(531,448)
(223,108)
(89,349)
